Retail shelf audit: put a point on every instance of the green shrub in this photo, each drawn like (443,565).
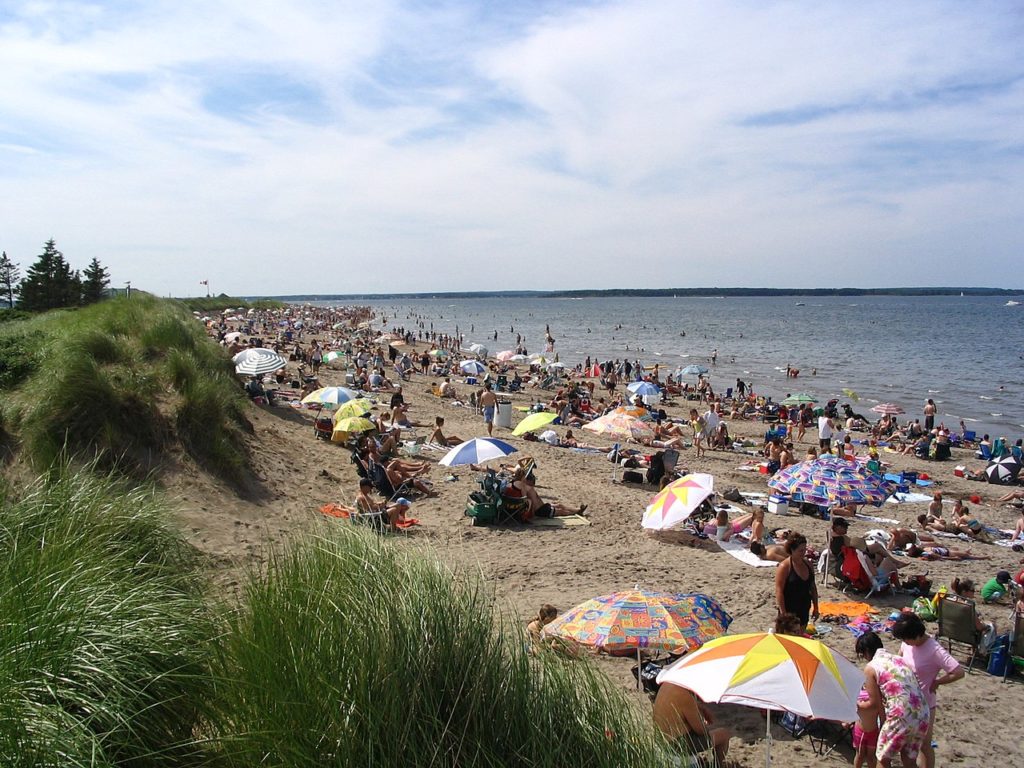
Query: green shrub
(19,356)
(352,652)
(105,641)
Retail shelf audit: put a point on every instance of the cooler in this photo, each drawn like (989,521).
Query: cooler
(778,505)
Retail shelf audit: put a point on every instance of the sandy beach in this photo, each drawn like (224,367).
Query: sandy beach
(530,565)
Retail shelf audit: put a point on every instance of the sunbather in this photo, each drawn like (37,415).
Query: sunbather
(774,552)
(367,505)
(936,552)
(437,437)
(525,484)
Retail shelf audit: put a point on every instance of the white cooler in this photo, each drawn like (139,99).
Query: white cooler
(778,505)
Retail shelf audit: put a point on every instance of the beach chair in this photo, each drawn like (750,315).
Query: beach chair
(382,483)
(969,437)
(1016,644)
(984,452)
(958,623)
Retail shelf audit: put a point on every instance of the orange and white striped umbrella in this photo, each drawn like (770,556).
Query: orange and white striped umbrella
(674,503)
(781,672)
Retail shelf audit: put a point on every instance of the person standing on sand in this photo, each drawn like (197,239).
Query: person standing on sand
(929,415)
(825,434)
(487,402)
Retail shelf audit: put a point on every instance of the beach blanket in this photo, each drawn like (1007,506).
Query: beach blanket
(847,608)
(874,519)
(742,553)
(863,624)
(566,521)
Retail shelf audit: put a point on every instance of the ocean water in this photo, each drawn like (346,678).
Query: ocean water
(967,353)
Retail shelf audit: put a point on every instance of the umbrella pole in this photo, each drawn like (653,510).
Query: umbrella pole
(767,738)
(639,670)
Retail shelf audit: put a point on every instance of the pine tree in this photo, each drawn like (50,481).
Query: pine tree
(95,280)
(49,283)
(10,276)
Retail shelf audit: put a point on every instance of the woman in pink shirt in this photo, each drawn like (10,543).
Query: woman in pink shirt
(933,666)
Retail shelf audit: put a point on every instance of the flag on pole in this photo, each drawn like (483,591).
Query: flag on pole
(204,282)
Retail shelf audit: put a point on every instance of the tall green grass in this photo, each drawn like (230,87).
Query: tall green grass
(105,635)
(350,651)
(117,381)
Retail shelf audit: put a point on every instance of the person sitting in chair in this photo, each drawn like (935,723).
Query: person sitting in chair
(686,721)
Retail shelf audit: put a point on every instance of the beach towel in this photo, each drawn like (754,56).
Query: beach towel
(565,521)
(874,519)
(345,513)
(909,498)
(742,553)
(847,608)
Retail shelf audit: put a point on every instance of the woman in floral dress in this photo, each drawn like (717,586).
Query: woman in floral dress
(893,689)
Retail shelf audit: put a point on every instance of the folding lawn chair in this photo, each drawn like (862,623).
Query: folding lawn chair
(1016,645)
(958,623)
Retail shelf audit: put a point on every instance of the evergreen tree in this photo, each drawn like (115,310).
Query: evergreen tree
(10,275)
(49,283)
(95,280)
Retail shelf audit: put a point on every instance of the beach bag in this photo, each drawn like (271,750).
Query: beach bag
(794,725)
(632,476)
(922,606)
(853,571)
(999,656)
(733,494)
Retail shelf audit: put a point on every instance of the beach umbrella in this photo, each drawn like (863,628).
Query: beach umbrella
(232,337)
(631,410)
(691,370)
(888,409)
(644,388)
(852,395)
(258,361)
(1003,470)
(354,424)
(478,349)
(472,367)
(358,407)
(639,619)
(518,359)
(505,355)
(799,399)
(330,357)
(477,450)
(438,353)
(538,359)
(555,366)
(678,500)
(829,481)
(330,397)
(620,426)
(534,421)
(780,672)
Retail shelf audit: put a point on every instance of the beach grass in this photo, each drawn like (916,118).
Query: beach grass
(349,650)
(116,382)
(106,631)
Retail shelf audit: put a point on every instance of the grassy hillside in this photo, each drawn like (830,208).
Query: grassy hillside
(118,383)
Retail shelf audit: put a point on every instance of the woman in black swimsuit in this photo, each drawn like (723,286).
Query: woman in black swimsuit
(795,589)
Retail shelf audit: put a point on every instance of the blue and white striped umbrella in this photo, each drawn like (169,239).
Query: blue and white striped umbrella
(473,367)
(477,450)
(257,361)
(691,370)
(643,388)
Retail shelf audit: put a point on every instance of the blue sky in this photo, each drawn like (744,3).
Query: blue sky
(323,147)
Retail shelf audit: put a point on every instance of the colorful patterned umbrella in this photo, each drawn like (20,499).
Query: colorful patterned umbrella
(780,672)
(658,621)
(439,353)
(620,426)
(888,409)
(677,501)
(829,481)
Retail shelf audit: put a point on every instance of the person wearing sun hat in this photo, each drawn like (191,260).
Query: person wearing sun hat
(996,588)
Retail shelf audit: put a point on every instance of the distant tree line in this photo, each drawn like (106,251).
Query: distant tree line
(51,283)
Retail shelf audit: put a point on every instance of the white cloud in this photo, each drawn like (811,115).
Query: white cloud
(408,149)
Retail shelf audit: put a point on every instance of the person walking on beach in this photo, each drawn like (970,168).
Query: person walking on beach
(929,415)
(487,402)
(825,434)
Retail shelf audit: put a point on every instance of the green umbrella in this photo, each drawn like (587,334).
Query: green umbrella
(798,399)
(534,421)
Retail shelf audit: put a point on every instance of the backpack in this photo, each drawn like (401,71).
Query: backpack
(853,571)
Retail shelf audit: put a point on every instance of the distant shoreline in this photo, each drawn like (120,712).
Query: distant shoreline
(655,292)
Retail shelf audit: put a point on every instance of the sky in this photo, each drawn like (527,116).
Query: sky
(326,146)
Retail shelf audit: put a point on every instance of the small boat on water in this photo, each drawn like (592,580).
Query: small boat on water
(1012,303)
(800,304)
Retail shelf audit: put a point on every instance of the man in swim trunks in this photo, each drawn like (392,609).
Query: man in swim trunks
(488,401)
(685,720)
